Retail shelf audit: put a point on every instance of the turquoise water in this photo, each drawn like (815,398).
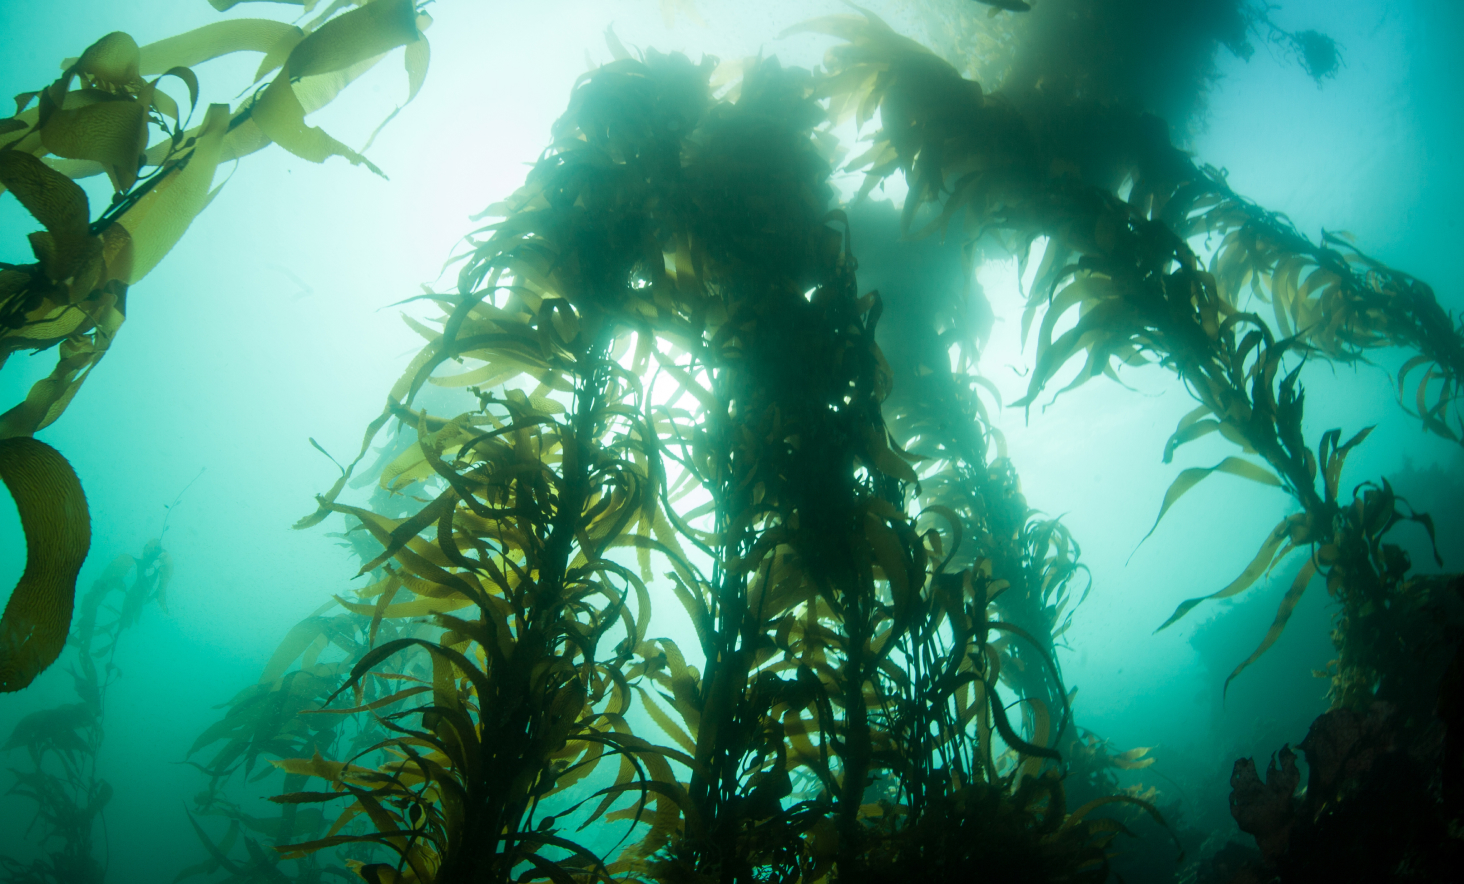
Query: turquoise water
(270,324)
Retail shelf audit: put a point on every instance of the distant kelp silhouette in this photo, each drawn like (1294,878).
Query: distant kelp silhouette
(62,742)
(98,118)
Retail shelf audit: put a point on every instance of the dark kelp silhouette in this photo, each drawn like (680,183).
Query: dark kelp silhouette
(982,166)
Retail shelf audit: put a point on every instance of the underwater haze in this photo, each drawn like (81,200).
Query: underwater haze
(266,340)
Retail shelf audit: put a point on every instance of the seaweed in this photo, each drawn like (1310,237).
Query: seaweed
(689,373)
(675,379)
(97,118)
(975,164)
(62,742)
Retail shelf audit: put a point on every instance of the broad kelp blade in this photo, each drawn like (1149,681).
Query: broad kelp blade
(158,220)
(213,41)
(341,43)
(59,204)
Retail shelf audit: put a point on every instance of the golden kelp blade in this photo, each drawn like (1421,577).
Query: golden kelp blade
(57,528)
(212,41)
(162,216)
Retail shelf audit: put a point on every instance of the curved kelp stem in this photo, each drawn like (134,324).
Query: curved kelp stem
(57,528)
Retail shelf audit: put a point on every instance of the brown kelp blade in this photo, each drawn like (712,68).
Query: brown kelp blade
(57,529)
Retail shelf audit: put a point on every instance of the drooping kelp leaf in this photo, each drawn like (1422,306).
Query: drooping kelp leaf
(1266,557)
(71,295)
(1078,816)
(1283,614)
(91,328)
(53,514)
(1191,477)
(61,207)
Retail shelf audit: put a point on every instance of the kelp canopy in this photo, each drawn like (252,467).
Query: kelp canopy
(663,389)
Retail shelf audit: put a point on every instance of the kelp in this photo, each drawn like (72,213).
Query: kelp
(98,117)
(687,372)
(674,368)
(276,719)
(53,514)
(62,742)
(985,166)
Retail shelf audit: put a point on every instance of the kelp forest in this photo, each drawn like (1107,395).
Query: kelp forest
(688,545)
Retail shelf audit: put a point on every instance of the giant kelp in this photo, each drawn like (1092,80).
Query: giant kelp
(690,374)
(674,368)
(99,118)
(983,166)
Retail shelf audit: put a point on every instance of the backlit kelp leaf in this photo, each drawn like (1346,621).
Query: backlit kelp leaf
(112,133)
(76,357)
(212,41)
(226,5)
(53,514)
(1133,759)
(415,60)
(1331,457)
(59,204)
(1191,427)
(110,63)
(300,637)
(423,607)
(339,44)
(371,29)
(158,220)
(1077,817)
(1283,614)
(1191,477)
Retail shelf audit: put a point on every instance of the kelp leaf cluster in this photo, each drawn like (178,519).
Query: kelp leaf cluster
(98,118)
